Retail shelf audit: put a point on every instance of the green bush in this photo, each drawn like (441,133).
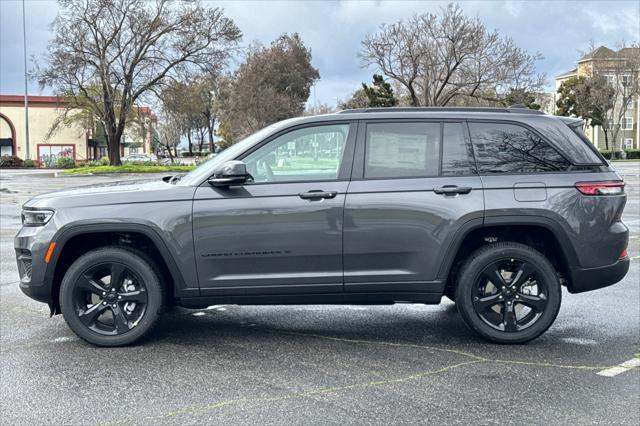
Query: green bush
(29,163)
(65,163)
(142,163)
(11,161)
(632,154)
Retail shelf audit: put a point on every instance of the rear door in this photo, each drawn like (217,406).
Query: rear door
(414,186)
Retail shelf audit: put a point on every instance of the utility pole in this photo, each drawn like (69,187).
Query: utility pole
(26,89)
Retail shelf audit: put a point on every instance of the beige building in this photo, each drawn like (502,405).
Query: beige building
(605,61)
(71,140)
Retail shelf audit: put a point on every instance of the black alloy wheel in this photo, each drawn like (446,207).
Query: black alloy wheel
(111,296)
(510,295)
(508,292)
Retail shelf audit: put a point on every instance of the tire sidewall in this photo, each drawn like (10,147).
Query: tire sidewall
(468,277)
(132,260)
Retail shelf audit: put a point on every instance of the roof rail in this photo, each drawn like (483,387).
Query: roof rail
(515,109)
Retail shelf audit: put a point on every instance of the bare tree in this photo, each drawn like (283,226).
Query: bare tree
(440,58)
(169,135)
(319,109)
(107,54)
(358,99)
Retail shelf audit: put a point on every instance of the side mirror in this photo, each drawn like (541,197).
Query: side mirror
(230,173)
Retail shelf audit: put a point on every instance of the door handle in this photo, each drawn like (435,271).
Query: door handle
(452,190)
(317,194)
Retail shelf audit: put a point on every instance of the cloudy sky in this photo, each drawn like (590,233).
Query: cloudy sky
(559,30)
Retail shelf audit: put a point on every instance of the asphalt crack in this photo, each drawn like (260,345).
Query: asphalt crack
(474,359)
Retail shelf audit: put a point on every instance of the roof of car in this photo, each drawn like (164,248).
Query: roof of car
(517,113)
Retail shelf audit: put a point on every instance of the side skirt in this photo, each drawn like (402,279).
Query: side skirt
(313,299)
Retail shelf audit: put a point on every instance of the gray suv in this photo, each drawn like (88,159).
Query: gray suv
(495,209)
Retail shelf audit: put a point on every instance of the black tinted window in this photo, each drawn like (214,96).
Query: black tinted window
(509,148)
(457,158)
(395,150)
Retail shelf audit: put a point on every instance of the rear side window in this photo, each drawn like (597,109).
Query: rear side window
(510,148)
(457,157)
(401,150)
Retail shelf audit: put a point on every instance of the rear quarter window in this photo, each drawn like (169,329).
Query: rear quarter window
(511,148)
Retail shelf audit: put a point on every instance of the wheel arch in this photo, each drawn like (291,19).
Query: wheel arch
(541,233)
(75,240)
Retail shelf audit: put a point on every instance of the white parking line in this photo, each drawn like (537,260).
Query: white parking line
(621,368)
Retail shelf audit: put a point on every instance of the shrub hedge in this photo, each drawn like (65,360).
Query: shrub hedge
(632,154)
(11,161)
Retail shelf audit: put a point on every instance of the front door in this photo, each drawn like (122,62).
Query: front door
(281,233)
(414,187)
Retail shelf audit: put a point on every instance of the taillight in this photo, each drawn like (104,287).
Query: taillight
(600,188)
(624,254)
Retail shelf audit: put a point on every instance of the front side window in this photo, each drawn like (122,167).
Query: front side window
(402,150)
(510,148)
(308,154)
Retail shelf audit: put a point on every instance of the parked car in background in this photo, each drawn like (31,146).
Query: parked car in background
(139,158)
(495,209)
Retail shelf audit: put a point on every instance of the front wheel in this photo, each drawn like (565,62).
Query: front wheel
(111,296)
(508,293)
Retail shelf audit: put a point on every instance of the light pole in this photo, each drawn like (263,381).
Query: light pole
(26,89)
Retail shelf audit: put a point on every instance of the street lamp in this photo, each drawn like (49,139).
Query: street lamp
(26,89)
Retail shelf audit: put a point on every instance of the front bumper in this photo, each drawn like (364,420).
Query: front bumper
(587,279)
(31,244)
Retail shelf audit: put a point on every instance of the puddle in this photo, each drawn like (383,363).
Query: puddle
(579,341)
(64,339)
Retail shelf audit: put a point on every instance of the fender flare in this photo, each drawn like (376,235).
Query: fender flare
(509,220)
(67,232)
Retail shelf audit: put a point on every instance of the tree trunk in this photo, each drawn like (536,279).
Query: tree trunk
(211,143)
(190,143)
(170,153)
(414,98)
(200,140)
(606,139)
(113,142)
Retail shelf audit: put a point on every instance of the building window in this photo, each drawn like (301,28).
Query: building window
(628,143)
(610,79)
(626,80)
(6,146)
(627,123)
(49,154)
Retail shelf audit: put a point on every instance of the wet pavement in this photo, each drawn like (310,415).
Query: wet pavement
(405,363)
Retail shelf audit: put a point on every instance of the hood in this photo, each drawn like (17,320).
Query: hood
(120,192)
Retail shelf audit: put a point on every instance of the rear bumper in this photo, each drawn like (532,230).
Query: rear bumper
(587,279)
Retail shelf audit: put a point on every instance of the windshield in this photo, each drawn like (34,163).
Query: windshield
(204,170)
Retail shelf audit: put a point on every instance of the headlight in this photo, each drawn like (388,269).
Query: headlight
(36,217)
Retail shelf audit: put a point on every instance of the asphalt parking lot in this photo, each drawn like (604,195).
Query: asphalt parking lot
(318,364)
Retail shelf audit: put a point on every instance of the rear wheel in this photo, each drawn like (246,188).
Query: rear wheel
(111,296)
(508,293)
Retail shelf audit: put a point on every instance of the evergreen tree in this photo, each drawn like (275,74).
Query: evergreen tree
(380,94)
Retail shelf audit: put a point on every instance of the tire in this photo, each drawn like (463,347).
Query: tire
(527,287)
(111,315)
